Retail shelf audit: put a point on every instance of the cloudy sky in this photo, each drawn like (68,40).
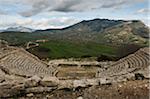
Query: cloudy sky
(43,14)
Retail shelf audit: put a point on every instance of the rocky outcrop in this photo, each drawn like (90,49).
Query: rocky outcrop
(31,45)
(37,84)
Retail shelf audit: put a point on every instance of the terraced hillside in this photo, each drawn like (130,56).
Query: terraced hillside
(17,61)
(132,64)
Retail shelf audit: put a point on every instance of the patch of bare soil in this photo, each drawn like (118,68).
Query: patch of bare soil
(73,72)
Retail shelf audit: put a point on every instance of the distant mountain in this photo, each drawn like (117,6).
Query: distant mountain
(128,32)
(101,31)
(94,38)
(1,30)
(95,25)
(18,29)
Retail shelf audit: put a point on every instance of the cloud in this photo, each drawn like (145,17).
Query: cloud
(43,23)
(147,21)
(42,14)
(52,23)
(66,5)
(143,10)
(2,12)
(50,5)
(39,6)
(114,4)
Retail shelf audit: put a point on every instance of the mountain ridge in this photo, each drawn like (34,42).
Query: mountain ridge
(18,29)
(87,38)
(96,30)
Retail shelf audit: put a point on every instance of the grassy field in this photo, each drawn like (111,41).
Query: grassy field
(62,49)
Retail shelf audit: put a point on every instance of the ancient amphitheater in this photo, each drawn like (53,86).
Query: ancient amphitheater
(19,62)
(22,73)
(128,66)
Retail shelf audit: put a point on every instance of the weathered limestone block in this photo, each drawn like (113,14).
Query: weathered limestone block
(92,82)
(79,83)
(1,80)
(145,72)
(49,81)
(33,81)
(11,89)
(85,82)
(30,85)
(65,84)
(104,80)
(39,89)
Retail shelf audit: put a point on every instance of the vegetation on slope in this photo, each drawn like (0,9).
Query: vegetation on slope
(87,38)
(62,49)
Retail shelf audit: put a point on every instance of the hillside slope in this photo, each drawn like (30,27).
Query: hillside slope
(97,30)
(85,38)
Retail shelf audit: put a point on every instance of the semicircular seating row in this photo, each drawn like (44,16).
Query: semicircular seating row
(138,60)
(20,62)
